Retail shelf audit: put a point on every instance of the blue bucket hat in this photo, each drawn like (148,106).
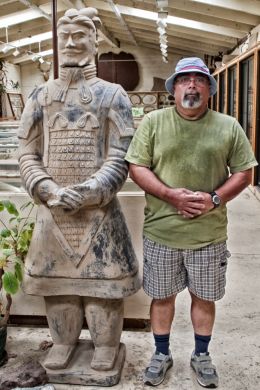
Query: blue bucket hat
(188,65)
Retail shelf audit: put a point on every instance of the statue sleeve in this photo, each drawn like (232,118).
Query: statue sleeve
(30,151)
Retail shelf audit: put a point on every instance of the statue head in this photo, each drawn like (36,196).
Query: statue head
(77,37)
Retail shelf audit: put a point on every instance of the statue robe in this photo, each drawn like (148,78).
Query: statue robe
(77,130)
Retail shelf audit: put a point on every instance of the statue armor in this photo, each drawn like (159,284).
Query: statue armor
(77,130)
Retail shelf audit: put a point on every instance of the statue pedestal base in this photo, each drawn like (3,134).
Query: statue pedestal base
(79,372)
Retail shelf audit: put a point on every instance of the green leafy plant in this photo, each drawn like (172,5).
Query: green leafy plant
(15,238)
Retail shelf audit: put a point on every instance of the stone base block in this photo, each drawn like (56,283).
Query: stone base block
(79,372)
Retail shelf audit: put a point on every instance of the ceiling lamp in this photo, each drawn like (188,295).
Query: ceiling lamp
(16,52)
(37,57)
(6,47)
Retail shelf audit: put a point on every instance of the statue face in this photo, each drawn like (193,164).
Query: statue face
(77,45)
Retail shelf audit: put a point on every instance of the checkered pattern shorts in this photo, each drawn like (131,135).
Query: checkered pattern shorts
(167,271)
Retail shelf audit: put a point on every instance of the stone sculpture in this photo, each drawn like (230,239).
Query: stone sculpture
(73,137)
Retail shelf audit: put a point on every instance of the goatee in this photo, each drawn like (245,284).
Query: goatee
(191,100)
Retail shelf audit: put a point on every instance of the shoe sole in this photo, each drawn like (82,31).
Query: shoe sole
(208,386)
(149,383)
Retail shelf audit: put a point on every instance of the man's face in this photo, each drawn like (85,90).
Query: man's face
(77,45)
(191,91)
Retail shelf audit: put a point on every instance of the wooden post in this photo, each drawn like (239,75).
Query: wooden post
(54,40)
(255,130)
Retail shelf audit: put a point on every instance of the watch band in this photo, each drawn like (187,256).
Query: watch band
(216,200)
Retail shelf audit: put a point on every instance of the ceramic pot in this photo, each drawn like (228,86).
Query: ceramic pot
(3,354)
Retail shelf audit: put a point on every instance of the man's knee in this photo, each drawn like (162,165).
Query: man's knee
(203,303)
(164,301)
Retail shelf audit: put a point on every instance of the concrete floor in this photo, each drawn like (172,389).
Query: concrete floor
(235,346)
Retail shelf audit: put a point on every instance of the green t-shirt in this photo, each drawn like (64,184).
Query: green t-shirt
(196,155)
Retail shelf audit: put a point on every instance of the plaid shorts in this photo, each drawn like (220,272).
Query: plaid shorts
(167,271)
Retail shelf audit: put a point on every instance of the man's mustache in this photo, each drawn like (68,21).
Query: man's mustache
(195,96)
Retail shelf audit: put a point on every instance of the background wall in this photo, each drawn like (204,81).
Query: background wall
(13,73)
(149,61)
(31,77)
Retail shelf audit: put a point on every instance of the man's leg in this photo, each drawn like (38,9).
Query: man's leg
(164,276)
(162,314)
(206,269)
(202,317)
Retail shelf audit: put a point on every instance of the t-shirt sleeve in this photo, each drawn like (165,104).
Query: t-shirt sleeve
(140,149)
(241,156)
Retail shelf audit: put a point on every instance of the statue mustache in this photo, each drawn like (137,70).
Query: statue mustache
(71,50)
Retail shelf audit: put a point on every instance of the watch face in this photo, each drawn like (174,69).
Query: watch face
(216,200)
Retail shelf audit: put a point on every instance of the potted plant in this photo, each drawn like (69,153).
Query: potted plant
(15,237)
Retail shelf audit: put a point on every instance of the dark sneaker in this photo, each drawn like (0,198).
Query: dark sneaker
(155,372)
(206,372)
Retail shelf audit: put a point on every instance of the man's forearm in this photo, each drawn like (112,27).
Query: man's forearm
(234,185)
(148,181)
(188,203)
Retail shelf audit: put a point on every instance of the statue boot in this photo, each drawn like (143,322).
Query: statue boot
(65,317)
(105,323)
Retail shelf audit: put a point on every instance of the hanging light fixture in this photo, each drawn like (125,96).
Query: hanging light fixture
(16,52)
(162,24)
(6,47)
(35,57)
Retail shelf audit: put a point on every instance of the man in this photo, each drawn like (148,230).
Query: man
(181,157)
(74,134)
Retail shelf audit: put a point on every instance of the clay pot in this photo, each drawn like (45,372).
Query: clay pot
(3,354)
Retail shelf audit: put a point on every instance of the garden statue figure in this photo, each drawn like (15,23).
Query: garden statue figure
(73,136)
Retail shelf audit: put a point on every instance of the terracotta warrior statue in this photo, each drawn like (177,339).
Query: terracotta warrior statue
(74,134)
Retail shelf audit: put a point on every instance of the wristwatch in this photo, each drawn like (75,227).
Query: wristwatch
(215,199)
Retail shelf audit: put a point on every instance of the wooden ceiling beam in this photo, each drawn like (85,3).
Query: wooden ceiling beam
(206,27)
(188,50)
(198,11)
(212,11)
(206,48)
(177,51)
(248,6)
(117,12)
(31,5)
(216,21)
(171,30)
(190,38)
